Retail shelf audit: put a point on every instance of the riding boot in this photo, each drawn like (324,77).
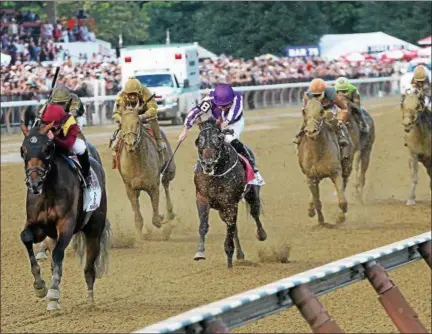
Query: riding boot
(85,165)
(299,135)
(241,149)
(154,124)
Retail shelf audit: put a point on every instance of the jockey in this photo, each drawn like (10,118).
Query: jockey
(344,87)
(65,136)
(330,101)
(421,82)
(70,102)
(137,96)
(227,107)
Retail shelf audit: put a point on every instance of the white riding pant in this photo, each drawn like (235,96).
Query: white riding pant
(80,121)
(428,102)
(238,128)
(79,147)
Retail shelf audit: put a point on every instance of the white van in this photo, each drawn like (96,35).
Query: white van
(171,71)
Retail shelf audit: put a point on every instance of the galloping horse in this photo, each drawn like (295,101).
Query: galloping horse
(140,168)
(57,207)
(418,128)
(363,143)
(221,181)
(320,157)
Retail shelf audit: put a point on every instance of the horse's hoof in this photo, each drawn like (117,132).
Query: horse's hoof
(41,256)
(411,202)
(229,265)
(311,213)
(199,256)
(240,256)
(53,305)
(261,235)
(158,222)
(341,218)
(41,292)
(170,216)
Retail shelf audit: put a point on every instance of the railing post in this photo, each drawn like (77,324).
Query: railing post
(312,310)
(215,326)
(394,303)
(425,251)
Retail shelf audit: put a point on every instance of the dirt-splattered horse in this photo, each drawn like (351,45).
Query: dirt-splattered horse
(221,181)
(320,157)
(417,124)
(58,207)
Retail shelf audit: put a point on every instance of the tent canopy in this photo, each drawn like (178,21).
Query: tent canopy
(425,41)
(336,45)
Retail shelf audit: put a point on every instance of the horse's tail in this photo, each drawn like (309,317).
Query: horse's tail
(105,244)
(79,247)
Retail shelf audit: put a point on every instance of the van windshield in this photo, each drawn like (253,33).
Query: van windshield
(156,80)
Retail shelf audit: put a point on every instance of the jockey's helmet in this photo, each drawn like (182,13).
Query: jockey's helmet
(54,113)
(317,88)
(342,84)
(60,94)
(132,89)
(223,95)
(420,73)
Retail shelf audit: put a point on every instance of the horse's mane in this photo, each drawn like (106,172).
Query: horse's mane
(210,123)
(425,117)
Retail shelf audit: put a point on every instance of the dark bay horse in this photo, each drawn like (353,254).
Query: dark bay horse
(220,183)
(55,209)
(363,144)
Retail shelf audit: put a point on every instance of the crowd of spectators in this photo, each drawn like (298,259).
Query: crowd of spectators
(19,78)
(274,70)
(25,37)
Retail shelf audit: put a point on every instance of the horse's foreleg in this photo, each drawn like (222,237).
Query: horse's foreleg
(252,197)
(229,216)
(64,236)
(133,196)
(314,189)
(203,213)
(28,238)
(365,160)
(47,245)
(157,219)
(343,204)
(357,185)
(413,164)
(170,215)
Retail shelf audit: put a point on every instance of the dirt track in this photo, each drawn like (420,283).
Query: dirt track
(155,279)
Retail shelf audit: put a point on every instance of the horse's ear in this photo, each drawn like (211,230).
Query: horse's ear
(45,129)
(24,129)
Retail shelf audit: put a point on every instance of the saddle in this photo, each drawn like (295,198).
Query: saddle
(93,193)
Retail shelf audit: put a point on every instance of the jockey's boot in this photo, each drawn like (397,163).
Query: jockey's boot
(241,149)
(341,131)
(161,147)
(299,135)
(364,126)
(85,165)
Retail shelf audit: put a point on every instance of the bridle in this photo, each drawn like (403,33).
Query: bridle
(137,134)
(200,159)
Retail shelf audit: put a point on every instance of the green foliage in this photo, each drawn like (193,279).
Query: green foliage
(245,28)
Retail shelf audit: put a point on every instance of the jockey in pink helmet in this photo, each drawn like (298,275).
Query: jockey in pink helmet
(226,106)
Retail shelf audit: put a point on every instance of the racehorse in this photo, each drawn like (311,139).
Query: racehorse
(417,125)
(49,244)
(140,168)
(320,157)
(363,143)
(221,181)
(58,208)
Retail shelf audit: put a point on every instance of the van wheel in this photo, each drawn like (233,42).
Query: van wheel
(177,121)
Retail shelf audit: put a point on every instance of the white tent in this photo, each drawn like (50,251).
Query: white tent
(204,53)
(337,45)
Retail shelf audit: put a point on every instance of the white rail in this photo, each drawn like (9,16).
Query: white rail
(254,304)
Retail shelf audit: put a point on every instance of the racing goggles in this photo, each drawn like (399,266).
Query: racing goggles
(225,107)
